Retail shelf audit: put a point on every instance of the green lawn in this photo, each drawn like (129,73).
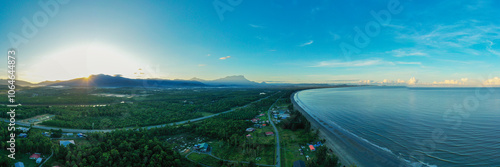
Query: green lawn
(224,151)
(204,114)
(290,144)
(204,159)
(21,158)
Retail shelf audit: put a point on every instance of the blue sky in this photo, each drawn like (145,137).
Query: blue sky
(272,41)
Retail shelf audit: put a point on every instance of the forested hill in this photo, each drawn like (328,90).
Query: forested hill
(102,80)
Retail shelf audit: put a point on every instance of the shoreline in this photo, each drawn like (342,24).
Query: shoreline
(344,158)
(348,147)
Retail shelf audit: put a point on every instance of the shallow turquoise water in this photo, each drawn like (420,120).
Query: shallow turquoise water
(421,126)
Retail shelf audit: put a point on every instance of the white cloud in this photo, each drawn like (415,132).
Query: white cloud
(462,81)
(412,81)
(365,82)
(400,81)
(493,81)
(448,82)
(224,58)
(307,43)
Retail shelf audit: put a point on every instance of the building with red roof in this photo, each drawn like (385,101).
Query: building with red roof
(312,148)
(35,156)
(269,133)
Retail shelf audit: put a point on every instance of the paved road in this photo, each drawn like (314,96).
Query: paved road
(278,163)
(147,127)
(47,159)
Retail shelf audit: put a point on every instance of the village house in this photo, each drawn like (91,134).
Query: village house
(23,135)
(250,129)
(19,164)
(23,129)
(35,156)
(65,143)
(311,147)
(255,120)
(203,147)
(38,160)
(47,134)
(269,133)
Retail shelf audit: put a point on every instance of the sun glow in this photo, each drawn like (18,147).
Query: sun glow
(83,61)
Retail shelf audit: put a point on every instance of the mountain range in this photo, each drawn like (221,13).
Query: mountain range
(103,80)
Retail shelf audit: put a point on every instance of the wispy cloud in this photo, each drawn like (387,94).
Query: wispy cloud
(409,63)
(461,35)
(335,36)
(405,53)
(357,63)
(256,26)
(361,63)
(307,43)
(489,48)
(224,58)
(202,65)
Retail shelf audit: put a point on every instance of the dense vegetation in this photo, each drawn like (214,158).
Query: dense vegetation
(121,148)
(131,107)
(35,142)
(141,147)
(57,96)
(4,136)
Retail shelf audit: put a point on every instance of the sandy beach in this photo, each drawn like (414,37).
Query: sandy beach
(344,158)
(347,146)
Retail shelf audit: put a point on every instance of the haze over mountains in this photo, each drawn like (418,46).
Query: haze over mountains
(103,80)
(236,80)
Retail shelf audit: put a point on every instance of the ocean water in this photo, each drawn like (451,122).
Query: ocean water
(401,126)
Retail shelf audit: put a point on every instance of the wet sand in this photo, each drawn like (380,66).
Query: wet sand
(347,146)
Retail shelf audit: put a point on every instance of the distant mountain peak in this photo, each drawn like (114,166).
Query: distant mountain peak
(196,79)
(233,80)
(233,77)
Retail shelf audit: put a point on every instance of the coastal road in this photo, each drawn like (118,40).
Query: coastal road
(278,163)
(69,130)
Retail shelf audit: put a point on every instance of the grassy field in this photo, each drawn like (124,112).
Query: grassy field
(291,142)
(204,159)
(266,155)
(204,114)
(22,158)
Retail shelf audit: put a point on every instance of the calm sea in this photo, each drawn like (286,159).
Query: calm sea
(378,126)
